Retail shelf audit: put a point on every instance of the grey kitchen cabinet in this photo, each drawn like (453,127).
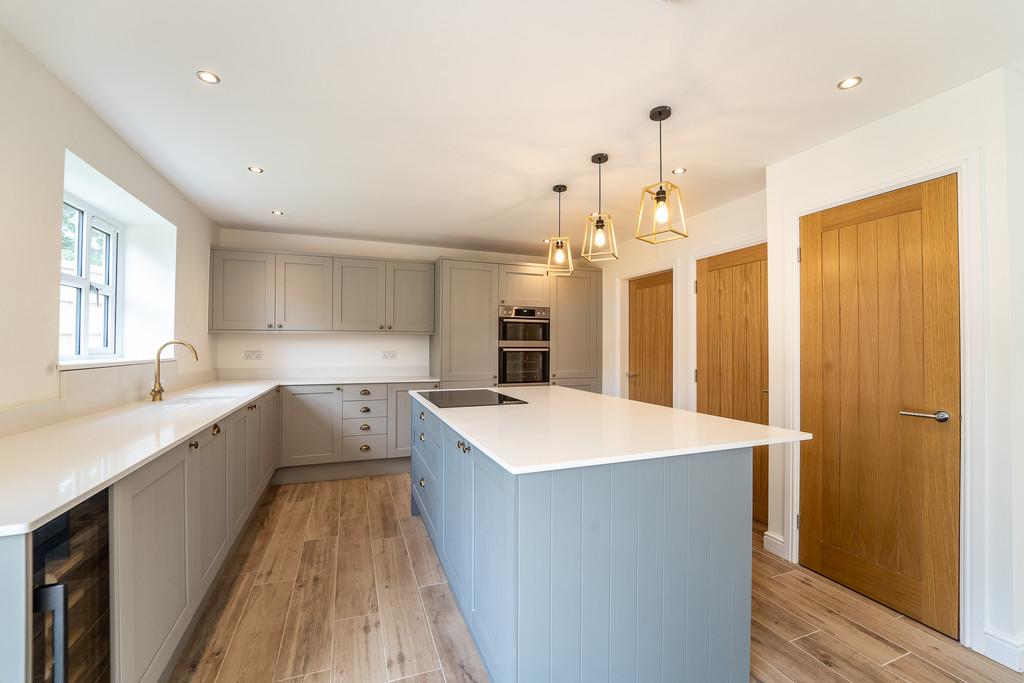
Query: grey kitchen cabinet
(253,480)
(360,302)
(238,496)
(310,415)
(304,292)
(149,558)
(469,321)
(410,297)
(523,285)
(576,326)
(399,407)
(209,523)
(242,290)
(470,385)
(584,384)
(268,407)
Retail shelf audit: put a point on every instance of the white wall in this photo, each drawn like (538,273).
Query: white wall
(965,130)
(299,355)
(737,224)
(39,119)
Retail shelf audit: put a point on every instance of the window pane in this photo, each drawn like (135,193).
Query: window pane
(99,317)
(71,220)
(99,256)
(69,307)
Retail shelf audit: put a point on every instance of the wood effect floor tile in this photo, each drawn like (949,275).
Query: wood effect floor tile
(844,660)
(201,660)
(460,660)
(763,672)
(421,551)
(254,539)
(773,563)
(296,493)
(353,497)
(779,619)
(408,645)
(281,559)
(318,677)
(253,650)
(381,506)
(323,519)
(912,668)
(401,494)
(843,600)
(429,677)
(358,651)
(356,590)
(306,642)
(788,658)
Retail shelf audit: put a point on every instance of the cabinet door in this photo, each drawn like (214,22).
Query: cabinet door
(309,418)
(586,384)
(523,286)
(270,416)
(304,292)
(209,525)
(359,294)
(456,500)
(400,416)
(238,491)
(410,297)
(469,321)
(576,326)
(253,484)
(149,556)
(241,290)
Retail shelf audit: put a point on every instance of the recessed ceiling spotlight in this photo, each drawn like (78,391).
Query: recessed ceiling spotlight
(208,77)
(547,241)
(678,171)
(277,212)
(848,83)
(255,169)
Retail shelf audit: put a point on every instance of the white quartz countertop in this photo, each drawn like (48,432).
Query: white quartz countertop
(46,471)
(561,428)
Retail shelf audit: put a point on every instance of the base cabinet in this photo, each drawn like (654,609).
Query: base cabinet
(585,384)
(310,416)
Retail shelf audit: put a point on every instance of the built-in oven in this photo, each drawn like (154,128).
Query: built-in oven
(518,365)
(524,326)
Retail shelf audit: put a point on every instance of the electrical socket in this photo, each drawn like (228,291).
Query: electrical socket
(254,355)
(389,355)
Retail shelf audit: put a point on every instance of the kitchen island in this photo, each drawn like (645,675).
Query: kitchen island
(592,538)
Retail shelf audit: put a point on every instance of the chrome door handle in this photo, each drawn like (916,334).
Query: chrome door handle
(938,415)
(423,483)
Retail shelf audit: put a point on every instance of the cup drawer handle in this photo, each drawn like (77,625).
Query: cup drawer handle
(364,392)
(364,409)
(364,448)
(364,427)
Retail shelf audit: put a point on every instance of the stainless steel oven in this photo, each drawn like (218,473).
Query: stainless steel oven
(524,326)
(519,365)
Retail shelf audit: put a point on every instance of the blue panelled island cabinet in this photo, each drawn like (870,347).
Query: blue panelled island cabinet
(591,538)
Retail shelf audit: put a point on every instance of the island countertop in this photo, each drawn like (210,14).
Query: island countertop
(561,428)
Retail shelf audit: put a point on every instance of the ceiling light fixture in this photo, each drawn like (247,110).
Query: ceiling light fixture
(599,238)
(661,206)
(849,83)
(559,249)
(208,77)
(277,212)
(255,169)
(678,171)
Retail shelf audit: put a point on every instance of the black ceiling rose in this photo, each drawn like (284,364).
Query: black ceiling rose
(599,158)
(559,188)
(661,113)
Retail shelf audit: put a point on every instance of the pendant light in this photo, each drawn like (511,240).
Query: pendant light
(559,249)
(661,207)
(599,238)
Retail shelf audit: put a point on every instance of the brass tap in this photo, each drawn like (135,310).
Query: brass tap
(157,392)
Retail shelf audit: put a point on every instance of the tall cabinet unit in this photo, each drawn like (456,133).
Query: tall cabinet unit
(469,326)
(576,330)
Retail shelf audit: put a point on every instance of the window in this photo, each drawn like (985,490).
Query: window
(89,284)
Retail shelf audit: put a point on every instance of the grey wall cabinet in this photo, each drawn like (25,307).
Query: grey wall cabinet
(310,415)
(242,290)
(576,326)
(410,297)
(360,300)
(469,322)
(304,292)
(399,407)
(523,285)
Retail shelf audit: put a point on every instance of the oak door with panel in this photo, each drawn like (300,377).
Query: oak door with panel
(650,339)
(880,391)
(732,347)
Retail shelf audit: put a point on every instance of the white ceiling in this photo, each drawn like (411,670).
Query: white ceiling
(447,121)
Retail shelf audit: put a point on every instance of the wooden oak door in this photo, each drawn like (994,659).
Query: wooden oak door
(732,347)
(650,339)
(880,337)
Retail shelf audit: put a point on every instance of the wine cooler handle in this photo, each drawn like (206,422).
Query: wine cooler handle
(53,598)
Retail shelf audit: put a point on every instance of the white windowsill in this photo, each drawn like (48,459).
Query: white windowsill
(90,363)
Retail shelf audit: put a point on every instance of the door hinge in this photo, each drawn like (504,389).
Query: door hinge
(798,521)
(798,254)
(694,286)
(695,374)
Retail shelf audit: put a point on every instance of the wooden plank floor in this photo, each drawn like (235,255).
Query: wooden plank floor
(334,582)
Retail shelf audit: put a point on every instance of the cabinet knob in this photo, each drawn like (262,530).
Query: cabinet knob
(270,326)
(389,327)
(364,448)
(460,444)
(364,392)
(194,445)
(215,430)
(382,327)
(337,388)
(280,325)
(364,427)
(468,448)
(364,409)
(422,437)
(423,484)
(421,415)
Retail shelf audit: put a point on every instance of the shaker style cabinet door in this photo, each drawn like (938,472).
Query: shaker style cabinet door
(410,297)
(209,527)
(359,294)
(310,416)
(469,321)
(242,285)
(400,416)
(523,286)
(269,409)
(576,326)
(304,291)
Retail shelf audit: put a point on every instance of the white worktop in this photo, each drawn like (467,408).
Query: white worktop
(45,471)
(561,428)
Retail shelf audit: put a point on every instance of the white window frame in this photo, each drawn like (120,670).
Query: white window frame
(91,218)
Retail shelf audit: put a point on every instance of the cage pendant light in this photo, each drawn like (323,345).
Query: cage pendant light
(661,206)
(599,238)
(559,249)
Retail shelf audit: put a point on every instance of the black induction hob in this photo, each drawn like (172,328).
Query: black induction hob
(464,398)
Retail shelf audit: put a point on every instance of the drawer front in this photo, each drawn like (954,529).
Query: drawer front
(365,392)
(359,409)
(425,421)
(428,493)
(429,450)
(364,447)
(364,426)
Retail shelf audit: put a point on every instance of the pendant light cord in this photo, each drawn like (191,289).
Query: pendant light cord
(661,162)
(559,214)
(599,187)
